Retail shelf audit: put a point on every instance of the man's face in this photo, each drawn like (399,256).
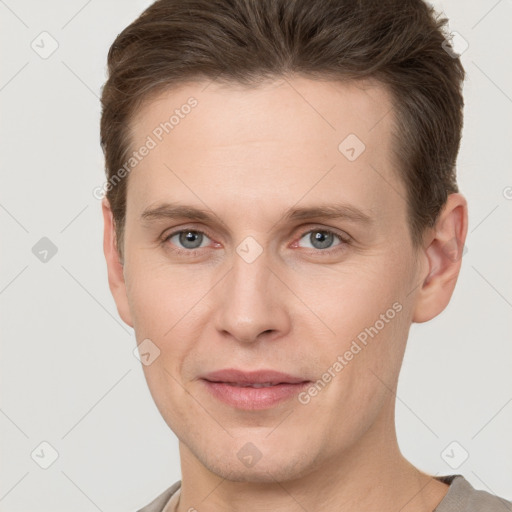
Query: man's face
(265,290)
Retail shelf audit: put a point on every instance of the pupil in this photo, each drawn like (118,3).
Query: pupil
(188,238)
(322,239)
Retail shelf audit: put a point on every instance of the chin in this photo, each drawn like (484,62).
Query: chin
(277,468)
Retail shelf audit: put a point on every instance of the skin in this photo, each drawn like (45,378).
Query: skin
(246,156)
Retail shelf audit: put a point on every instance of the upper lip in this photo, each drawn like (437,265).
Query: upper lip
(252,377)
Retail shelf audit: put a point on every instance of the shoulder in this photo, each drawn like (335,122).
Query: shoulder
(463,497)
(158,504)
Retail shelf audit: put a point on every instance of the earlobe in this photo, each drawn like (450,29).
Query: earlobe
(443,255)
(115,269)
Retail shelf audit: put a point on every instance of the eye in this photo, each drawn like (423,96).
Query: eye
(187,239)
(322,238)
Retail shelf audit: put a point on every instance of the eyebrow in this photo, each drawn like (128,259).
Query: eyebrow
(327,211)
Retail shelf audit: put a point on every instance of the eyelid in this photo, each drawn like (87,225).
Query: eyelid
(182,230)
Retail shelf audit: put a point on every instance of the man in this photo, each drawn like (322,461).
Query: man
(281,205)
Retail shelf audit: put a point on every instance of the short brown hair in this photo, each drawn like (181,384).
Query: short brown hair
(400,43)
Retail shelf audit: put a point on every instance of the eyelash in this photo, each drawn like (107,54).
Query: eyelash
(345,240)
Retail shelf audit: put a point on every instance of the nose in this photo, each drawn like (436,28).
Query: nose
(251,301)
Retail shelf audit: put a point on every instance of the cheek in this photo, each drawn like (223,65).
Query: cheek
(168,307)
(160,296)
(354,300)
(369,310)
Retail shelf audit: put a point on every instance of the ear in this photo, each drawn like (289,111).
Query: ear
(114,267)
(442,256)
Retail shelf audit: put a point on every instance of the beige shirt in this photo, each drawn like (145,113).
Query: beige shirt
(172,504)
(461,497)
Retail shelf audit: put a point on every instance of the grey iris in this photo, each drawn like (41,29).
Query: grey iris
(191,237)
(322,238)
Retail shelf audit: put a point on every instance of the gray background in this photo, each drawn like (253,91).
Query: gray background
(69,376)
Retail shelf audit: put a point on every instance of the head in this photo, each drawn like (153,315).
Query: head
(232,132)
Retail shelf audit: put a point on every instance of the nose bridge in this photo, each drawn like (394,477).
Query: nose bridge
(249,277)
(250,302)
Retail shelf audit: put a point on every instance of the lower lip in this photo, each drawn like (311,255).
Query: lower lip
(252,399)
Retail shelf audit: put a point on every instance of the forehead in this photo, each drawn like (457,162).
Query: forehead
(277,143)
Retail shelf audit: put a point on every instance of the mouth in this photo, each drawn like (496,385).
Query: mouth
(258,390)
(265,377)
(253,385)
